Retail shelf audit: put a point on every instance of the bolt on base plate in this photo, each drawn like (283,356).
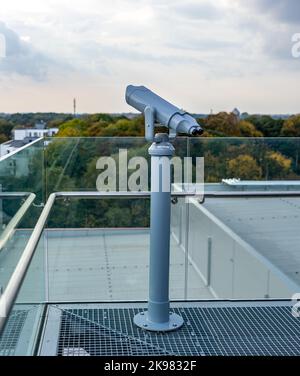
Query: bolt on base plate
(142,321)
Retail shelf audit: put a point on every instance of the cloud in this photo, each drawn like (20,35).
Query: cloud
(22,58)
(213,45)
(287,11)
(274,23)
(197,11)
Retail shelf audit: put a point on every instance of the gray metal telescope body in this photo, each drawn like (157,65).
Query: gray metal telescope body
(158,110)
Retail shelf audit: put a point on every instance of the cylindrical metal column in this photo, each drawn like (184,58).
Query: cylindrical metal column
(158,305)
(158,317)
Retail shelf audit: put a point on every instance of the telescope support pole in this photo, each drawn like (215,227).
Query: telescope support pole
(158,316)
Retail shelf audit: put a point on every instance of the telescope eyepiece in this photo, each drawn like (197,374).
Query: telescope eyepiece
(196,131)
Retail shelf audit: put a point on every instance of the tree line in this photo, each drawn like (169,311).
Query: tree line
(104,125)
(68,163)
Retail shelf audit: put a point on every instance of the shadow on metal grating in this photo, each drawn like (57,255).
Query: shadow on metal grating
(207,331)
(10,337)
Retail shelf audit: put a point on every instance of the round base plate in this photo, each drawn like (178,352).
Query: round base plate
(142,320)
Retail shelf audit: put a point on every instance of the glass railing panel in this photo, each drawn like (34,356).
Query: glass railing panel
(10,238)
(101,253)
(72,163)
(12,251)
(21,333)
(75,163)
(252,163)
(223,248)
(254,252)
(21,201)
(182,230)
(24,171)
(246,247)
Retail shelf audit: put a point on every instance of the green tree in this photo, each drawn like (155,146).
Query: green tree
(3,138)
(268,126)
(5,130)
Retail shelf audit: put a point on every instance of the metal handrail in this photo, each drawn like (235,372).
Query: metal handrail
(212,194)
(13,195)
(250,194)
(13,223)
(10,293)
(120,194)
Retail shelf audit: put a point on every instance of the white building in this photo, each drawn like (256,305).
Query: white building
(33,133)
(23,136)
(10,146)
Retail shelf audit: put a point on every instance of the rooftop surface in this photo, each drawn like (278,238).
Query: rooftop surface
(98,265)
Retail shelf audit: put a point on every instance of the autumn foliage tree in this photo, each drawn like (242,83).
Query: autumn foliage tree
(244,167)
(278,166)
(247,129)
(291,127)
(228,125)
(102,125)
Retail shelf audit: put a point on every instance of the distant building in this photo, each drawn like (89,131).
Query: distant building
(128,115)
(237,113)
(23,136)
(244,115)
(30,134)
(10,146)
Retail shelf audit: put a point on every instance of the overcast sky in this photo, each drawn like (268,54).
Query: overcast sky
(200,54)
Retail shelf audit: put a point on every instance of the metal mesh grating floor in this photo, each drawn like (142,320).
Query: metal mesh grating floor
(11,335)
(207,331)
